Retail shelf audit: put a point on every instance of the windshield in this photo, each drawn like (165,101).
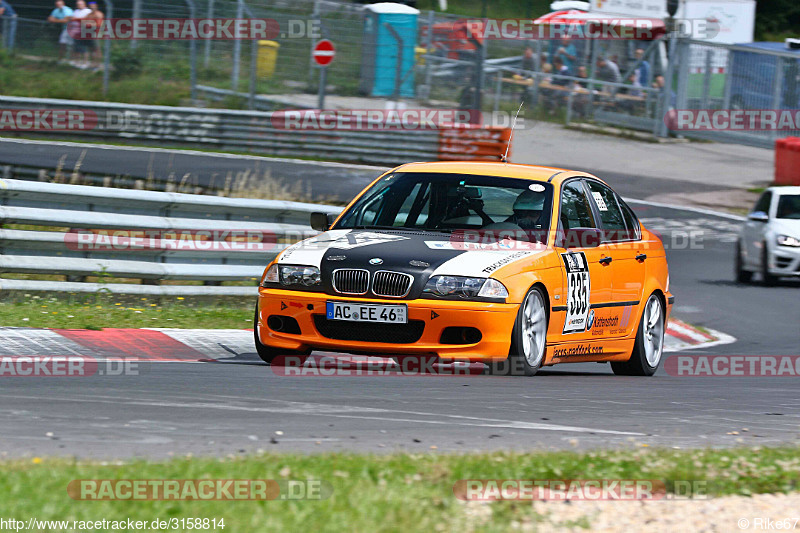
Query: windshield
(789,206)
(449,202)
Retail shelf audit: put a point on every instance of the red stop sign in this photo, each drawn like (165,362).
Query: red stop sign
(323,53)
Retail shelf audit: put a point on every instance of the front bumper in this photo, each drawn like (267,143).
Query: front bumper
(495,322)
(784,261)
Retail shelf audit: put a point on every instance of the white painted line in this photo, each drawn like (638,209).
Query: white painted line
(339,411)
(700,210)
(329,164)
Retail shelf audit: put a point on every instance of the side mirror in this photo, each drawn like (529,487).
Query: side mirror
(321,221)
(582,238)
(758,216)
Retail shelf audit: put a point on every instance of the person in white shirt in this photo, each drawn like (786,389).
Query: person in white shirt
(82,46)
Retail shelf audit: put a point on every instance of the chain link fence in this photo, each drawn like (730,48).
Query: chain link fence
(626,83)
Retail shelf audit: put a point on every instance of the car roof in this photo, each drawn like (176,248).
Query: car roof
(785,190)
(502,170)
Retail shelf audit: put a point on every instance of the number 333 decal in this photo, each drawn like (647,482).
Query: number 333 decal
(578,292)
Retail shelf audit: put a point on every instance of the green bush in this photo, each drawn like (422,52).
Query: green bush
(126,62)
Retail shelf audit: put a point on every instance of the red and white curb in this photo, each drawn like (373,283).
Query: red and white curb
(681,336)
(197,345)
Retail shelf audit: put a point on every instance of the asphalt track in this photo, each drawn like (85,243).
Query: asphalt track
(335,181)
(239,405)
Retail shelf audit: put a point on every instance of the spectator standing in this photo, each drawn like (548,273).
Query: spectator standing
(8,24)
(94,19)
(82,46)
(61,15)
(643,70)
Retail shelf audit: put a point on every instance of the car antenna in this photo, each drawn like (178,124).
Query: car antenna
(504,159)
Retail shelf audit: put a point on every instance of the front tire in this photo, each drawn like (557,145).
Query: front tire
(742,275)
(528,339)
(649,345)
(766,278)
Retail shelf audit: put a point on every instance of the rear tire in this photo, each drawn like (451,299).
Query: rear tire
(742,275)
(528,339)
(649,345)
(766,278)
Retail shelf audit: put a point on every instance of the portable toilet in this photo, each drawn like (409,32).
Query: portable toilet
(381,50)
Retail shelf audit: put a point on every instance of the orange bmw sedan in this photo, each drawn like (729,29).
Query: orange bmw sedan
(515,266)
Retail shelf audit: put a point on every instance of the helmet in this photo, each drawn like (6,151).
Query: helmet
(529,201)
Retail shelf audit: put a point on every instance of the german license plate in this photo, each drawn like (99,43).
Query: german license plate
(356,312)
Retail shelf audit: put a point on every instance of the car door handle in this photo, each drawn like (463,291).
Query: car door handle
(641,257)
(605,260)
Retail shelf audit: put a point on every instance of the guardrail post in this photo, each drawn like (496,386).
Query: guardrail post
(107,50)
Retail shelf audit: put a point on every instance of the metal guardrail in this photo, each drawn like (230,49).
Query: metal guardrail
(254,131)
(60,212)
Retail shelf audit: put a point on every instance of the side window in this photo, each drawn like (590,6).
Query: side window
(634,228)
(610,213)
(763,203)
(575,209)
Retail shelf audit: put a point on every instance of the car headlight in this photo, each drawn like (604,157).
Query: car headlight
(288,275)
(785,240)
(465,287)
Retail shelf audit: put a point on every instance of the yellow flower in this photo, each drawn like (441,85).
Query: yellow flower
(37,460)
(180,297)
(117,304)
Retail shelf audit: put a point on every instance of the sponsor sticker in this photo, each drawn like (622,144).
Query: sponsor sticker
(578,292)
(598,199)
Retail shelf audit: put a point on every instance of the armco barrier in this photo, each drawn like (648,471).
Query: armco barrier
(254,131)
(787,161)
(52,251)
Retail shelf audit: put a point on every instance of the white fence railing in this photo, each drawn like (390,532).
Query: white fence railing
(81,232)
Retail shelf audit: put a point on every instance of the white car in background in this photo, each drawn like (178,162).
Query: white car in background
(769,241)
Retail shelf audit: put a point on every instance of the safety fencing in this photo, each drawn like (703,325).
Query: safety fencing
(107,235)
(259,132)
(713,82)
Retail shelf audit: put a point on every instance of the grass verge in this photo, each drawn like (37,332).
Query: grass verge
(395,492)
(98,311)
